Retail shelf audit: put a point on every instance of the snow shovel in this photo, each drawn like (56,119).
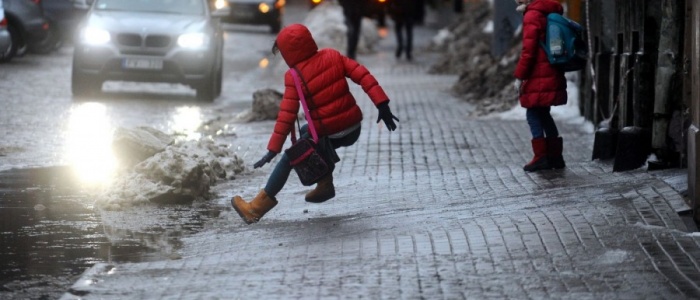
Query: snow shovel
(605,143)
(633,148)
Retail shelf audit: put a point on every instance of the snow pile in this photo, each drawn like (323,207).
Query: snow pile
(133,145)
(327,25)
(181,173)
(266,106)
(484,81)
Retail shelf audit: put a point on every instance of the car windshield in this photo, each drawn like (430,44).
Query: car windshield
(188,7)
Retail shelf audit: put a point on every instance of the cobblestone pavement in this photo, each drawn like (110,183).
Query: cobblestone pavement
(439,209)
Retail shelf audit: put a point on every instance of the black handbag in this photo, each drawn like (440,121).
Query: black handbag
(311,158)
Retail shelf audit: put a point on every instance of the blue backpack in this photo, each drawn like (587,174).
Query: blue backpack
(564,44)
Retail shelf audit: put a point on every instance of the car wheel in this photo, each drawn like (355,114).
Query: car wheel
(206,90)
(84,84)
(49,43)
(16,43)
(219,80)
(9,54)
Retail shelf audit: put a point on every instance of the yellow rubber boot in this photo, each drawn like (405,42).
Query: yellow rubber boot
(252,211)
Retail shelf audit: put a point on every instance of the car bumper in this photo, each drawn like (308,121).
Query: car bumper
(175,66)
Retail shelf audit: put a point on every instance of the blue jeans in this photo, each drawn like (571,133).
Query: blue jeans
(278,177)
(541,122)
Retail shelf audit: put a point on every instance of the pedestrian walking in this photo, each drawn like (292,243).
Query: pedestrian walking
(404,13)
(354,11)
(333,109)
(540,86)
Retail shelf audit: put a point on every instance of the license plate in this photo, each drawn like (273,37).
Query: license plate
(142,63)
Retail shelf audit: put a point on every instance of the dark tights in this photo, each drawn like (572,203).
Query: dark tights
(399,26)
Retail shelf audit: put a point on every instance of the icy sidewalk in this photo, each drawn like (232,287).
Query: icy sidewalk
(438,209)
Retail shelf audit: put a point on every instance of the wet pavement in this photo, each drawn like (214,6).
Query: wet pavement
(51,233)
(438,209)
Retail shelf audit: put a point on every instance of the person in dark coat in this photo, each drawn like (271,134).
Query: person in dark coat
(353,10)
(404,13)
(540,86)
(335,113)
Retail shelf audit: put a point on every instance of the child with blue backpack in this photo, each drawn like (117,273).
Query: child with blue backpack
(540,85)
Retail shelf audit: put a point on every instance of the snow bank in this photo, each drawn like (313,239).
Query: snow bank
(181,173)
(327,25)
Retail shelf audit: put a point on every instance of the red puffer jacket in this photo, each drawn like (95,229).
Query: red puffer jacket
(543,85)
(324,71)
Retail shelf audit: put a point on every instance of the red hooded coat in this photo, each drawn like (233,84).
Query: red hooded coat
(324,71)
(543,85)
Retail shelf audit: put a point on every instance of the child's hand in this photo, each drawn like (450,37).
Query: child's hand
(266,159)
(386,116)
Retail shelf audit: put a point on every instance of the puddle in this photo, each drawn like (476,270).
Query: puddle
(50,233)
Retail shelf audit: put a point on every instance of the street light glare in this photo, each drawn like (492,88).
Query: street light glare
(89,143)
(186,121)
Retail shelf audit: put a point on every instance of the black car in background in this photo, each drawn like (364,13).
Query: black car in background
(28,27)
(5,40)
(255,12)
(63,17)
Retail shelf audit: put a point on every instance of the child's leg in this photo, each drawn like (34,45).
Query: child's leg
(548,125)
(534,120)
(347,140)
(554,142)
(539,144)
(278,177)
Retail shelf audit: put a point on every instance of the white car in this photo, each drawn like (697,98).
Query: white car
(175,41)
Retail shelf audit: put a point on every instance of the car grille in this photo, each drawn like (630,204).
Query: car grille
(150,41)
(157,41)
(128,39)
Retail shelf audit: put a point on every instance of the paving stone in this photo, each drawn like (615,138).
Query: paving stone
(439,208)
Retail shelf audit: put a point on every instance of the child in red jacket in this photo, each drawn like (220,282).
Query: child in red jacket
(333,109)
(540,86)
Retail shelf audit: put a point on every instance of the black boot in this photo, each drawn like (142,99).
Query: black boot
(555,147)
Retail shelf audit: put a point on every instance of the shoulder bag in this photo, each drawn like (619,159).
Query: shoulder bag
(306,155)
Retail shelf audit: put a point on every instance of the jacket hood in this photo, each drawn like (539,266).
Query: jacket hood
(546,6)
(296,44)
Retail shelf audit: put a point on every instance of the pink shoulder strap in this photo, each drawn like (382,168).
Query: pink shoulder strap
(302,99)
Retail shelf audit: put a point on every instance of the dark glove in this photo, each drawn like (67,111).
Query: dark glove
(266,159)
(386,116)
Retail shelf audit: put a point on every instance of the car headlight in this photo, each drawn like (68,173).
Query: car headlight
(219,4)
(192,40)
(95,36)
(264,8)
